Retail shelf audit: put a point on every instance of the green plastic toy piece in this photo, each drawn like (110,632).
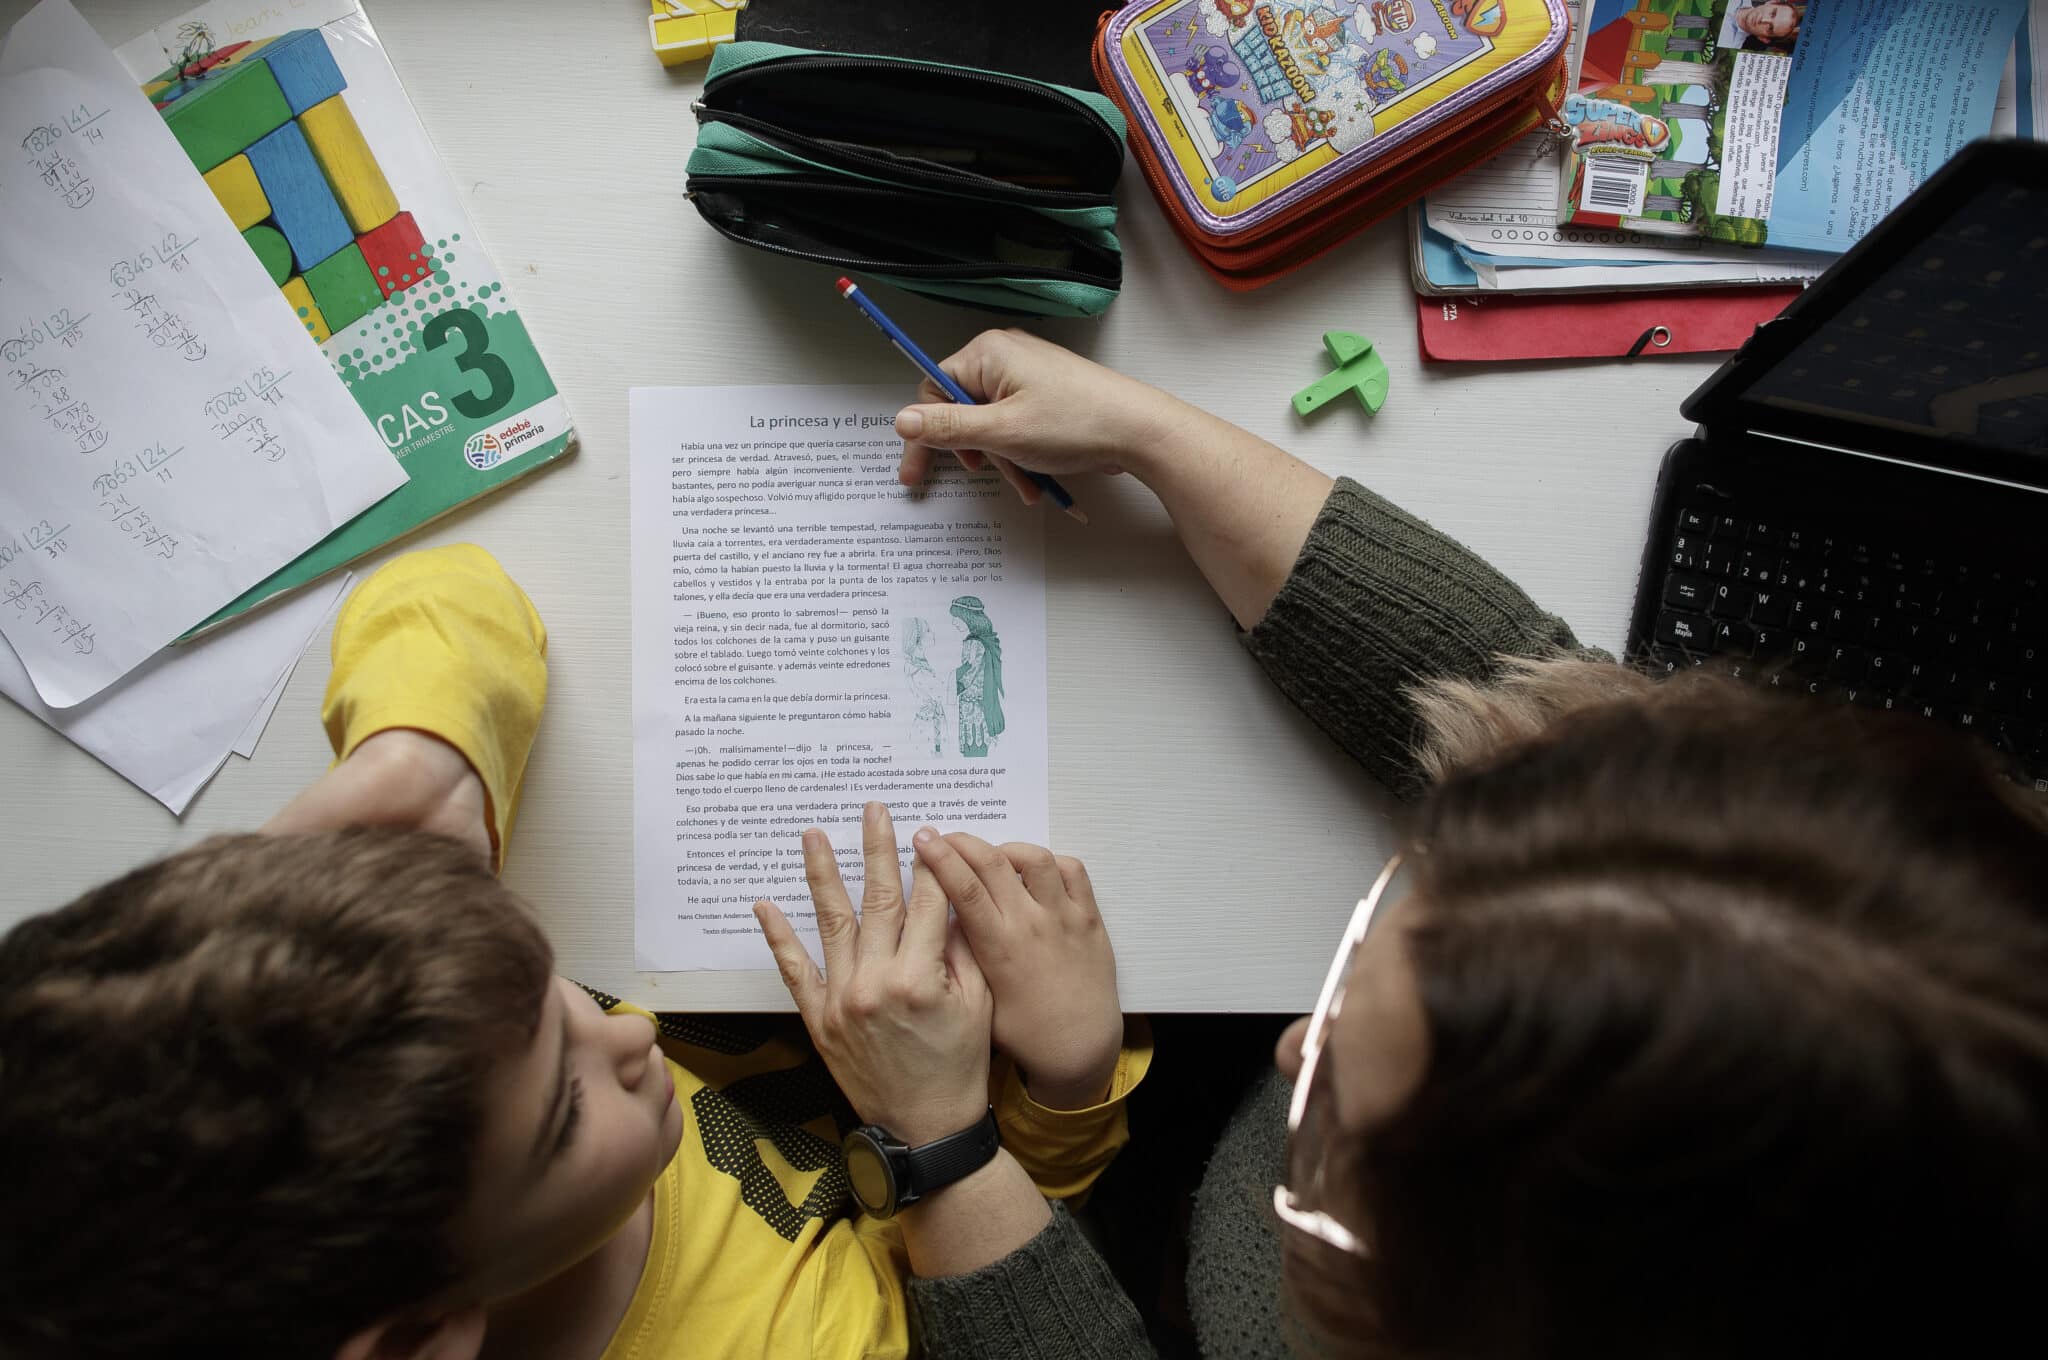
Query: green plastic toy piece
(1358,370)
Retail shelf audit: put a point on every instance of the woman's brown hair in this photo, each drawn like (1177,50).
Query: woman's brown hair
(1738,1025)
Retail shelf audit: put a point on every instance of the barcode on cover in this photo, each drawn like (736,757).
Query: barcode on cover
(1614,186)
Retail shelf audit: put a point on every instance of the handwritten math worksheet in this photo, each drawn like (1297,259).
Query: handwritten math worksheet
(172,433)
(809,635)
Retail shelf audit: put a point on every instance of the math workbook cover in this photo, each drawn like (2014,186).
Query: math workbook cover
(301,128)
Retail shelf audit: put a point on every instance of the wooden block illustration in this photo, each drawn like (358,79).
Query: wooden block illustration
(227,113)
(199,66)
(344,287)
(234,183)
(247,50)
(396,254)
(301,204)
(310,316)
(352,172)
(269,244)
(304,69)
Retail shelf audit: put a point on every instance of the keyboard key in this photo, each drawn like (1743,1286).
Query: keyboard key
(1687,590)
(1728,526)
(1731,600)
(1798,541)
(1757,566)
(1969,719)
(1733,637)
(1764,533)
(1950,682)
(1887,630)
(2012,736)
(1807,651)
(1804,618)
(1772,607)
(1718,560)
(1847,662)
(1798,573)
(1930,709)
(1695,522)
(1685,552)
(1889,668)
(2000,694)
(1663,661)
(1683,630)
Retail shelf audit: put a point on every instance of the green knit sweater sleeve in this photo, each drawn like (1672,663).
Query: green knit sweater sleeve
(1378,602)
(1051,1299)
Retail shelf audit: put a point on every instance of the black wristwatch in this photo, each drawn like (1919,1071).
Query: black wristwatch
(889,1175)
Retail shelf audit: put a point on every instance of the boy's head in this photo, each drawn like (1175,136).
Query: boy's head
(300,1096)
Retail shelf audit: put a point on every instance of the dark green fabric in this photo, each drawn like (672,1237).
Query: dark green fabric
(731,172)
(1052,1299)
(1376,602)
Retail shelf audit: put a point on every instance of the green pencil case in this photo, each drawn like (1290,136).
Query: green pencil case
(974,187)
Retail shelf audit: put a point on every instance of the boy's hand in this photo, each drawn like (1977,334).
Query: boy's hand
(1031,917)
(1044,408)
(901,1015)
(398,777)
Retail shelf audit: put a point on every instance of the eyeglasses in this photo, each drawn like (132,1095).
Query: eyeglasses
(1315,1192)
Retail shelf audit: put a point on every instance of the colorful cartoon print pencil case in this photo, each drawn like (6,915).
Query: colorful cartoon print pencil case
(1271,130)
(974,187)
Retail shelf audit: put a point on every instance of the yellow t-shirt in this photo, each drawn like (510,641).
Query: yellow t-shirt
(758,1248)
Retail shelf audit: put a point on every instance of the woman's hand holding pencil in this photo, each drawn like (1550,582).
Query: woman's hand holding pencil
(1032,409)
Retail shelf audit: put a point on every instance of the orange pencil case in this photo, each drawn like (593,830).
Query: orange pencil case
(1271,130)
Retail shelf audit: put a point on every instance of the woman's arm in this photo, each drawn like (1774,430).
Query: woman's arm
(1348,601)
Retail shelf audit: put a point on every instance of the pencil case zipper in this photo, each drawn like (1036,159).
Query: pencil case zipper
(784,65)
(963,182)
(992,270)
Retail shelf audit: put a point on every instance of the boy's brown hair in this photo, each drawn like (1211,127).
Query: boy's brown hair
(240,1092)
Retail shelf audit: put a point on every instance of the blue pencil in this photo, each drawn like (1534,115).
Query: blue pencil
(852,293)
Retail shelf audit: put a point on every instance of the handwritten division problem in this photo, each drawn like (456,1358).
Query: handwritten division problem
(156,393)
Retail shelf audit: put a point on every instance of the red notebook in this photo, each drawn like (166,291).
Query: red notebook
(1594,326)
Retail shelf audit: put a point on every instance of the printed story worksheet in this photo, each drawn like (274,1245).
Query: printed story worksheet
(808,635)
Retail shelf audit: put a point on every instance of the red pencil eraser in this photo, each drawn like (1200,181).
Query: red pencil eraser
(845,285)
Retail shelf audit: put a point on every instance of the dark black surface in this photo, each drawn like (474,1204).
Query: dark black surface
(1887,587)
(1949,291)
(1047,40)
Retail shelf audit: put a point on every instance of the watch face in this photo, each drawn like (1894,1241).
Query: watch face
(868,1169)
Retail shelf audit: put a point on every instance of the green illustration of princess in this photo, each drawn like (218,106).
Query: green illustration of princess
(979,680)
(928,714)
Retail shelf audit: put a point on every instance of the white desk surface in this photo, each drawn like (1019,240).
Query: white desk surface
(1226,836)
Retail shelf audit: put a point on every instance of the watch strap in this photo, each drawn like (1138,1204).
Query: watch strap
(931,1166)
